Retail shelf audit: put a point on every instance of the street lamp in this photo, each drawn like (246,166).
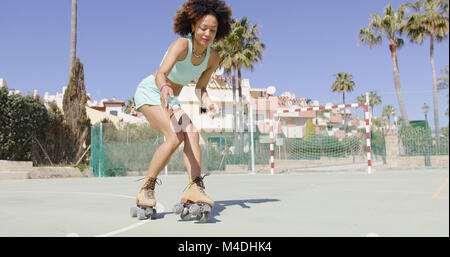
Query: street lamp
(425,109)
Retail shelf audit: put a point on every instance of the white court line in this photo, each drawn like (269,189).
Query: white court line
(53,192)
(159,208)
(124,229)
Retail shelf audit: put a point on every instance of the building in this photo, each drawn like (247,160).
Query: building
(3,83)
(293,125)
(111,110)
(264,104)
(220,93)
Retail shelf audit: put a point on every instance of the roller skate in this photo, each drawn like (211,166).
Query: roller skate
(145,201)
(194,202)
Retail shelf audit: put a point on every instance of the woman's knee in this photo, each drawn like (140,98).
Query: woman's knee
(175,139)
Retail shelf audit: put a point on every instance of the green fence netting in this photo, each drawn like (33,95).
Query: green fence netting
(115,151)
(420,141)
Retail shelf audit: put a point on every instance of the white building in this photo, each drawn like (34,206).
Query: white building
(222,95)
(97,110)
(58,98)
(3,83)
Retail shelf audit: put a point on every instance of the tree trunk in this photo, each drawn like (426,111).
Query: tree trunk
(241,109)
(435,92)
(398,89)
(80,141)
(234,97)
(73,36)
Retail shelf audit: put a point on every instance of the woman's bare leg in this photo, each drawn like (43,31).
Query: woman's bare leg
(159,119)
(192,160)
(192,157)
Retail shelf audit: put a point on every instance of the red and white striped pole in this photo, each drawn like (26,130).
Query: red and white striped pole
(369,148)
(272,163)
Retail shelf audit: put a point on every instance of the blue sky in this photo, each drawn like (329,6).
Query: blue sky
(122,42)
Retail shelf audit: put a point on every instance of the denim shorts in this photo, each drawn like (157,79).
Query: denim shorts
(148,93)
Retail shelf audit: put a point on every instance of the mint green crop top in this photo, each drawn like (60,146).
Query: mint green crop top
(184,71)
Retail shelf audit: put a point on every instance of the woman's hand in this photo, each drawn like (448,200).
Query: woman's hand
(213,109)
(165,92)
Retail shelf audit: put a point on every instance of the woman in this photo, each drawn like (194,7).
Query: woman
(188,58)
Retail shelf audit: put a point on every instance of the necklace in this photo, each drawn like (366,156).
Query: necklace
(195,55)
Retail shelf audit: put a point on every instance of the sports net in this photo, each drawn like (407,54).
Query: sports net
(331,139)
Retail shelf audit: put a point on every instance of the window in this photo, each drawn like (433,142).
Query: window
(113,113)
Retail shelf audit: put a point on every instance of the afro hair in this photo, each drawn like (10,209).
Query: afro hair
(193,10)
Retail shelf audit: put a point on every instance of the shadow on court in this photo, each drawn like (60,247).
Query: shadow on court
(220,206)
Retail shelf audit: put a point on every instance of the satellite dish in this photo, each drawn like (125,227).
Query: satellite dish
(287,94)
(271,90)
(219,71)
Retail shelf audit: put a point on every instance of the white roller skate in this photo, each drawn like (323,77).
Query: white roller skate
(145,201)
(195,202)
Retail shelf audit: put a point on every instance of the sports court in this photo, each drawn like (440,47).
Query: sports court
(346,203)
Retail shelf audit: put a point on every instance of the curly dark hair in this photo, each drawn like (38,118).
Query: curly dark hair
(193,10)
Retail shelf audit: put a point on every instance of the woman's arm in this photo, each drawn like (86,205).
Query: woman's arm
(176,52)
(204,80)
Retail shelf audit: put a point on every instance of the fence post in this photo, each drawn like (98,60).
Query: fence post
(100,172)
(252,146)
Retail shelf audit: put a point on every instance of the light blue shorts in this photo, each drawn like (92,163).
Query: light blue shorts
(148,93)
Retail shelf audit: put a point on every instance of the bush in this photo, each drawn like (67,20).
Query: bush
(25,121)
(21,119)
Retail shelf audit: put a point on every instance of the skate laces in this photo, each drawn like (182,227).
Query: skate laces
(151,182)
(198,181)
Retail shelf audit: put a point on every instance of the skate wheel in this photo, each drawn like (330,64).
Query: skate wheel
(141,214)
(185,214)
(133,212)
(195,209)
(178,208)
(204,217)
(206,208)
(150,212)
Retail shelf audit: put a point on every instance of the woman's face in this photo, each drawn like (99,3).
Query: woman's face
(205,29)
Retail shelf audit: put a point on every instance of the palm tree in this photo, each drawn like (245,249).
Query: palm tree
(250,51)
(343,82)
(240,50)
(443,83)
(374,99)
(390,26)
(226,49)
(430,20)
(130,103)
(388,112)
(73,36)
